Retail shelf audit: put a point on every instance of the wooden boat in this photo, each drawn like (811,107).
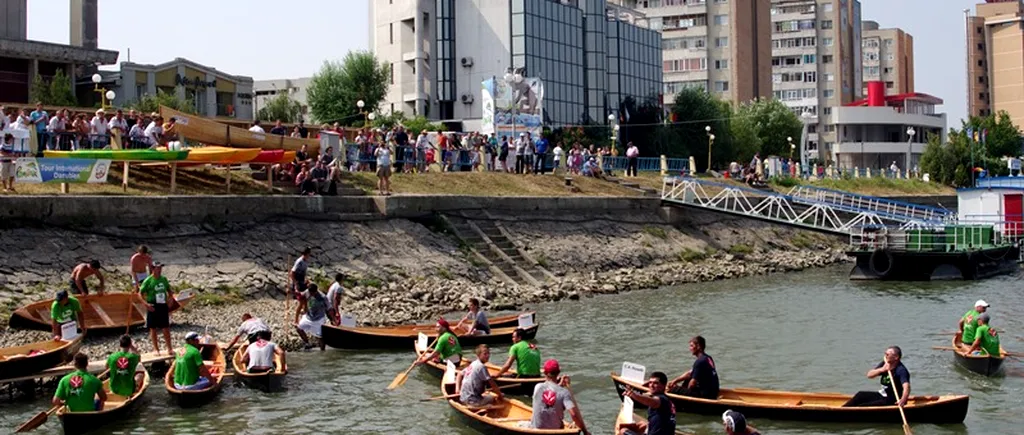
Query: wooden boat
(626,415)
(216,154)
(107,313)
(525,388)
(211,132)
(817,407)
(213,357)
(121,155)
(398,337)
(27,359)
(507,417)
(115,408)
(268,156)
(985,365)
(270,382)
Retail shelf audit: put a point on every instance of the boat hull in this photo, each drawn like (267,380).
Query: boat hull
(933,266)
(97,309)
(982,365)
(76,423)
(270,382)
(524,386)
(210,132)
(935,410)
(491,424)
(16,367)
(398,337)
(212,357)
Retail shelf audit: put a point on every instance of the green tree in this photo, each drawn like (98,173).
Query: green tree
(763,126)
(953,163)
(1002,138)
(693,110)
(412,125)
(335,89)
(151,103)
(54,92)
(280,107)
(644,126)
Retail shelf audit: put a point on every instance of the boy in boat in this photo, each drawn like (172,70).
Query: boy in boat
(259,356)
(310,315)
(81,272)
(552,398)
(478,319)
(661,412)
(524,354)
(470,383)
(156,293)
(702,379)
(126,374)
(969,323)
(447,347)
(986,341)
(141,264)
(250,328)
(79,390)
(189,371)
(63,310)
(736,424)
(298,273)
(886,396)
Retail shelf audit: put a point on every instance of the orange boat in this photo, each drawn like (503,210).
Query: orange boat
(218,154)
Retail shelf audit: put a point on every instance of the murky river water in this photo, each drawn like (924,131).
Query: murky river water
(812,331)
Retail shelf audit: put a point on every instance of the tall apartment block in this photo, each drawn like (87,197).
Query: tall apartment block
(888,57)
(816,63)
(995,59)
(722,46)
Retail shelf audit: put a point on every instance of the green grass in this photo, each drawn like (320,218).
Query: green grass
(220,296)
(875,186)
(371,282)
(740,248)
(802,241)
(691,256)
(542,260)
(656,232)
(444,273)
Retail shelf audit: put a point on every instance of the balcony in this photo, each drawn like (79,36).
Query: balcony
(410,56)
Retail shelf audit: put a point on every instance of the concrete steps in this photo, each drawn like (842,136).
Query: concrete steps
(490,244)
(647,191)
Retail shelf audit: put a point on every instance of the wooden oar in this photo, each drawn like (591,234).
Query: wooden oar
(41,417)
(452,396)
(402,377)
(906,426)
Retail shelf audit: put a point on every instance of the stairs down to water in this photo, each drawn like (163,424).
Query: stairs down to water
(490,243)
(646,191)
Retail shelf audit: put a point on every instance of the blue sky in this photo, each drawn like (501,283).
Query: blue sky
(262,39)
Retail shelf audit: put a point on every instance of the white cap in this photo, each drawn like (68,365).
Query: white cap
(981,303)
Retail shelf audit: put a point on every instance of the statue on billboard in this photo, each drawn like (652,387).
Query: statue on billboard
(524,96)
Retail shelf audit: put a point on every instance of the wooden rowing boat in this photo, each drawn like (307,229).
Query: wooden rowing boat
(217,154)
(397,337)
(114,409)
(985,365)
(626,415)
(506,417)
(107,313)
(210,132)
(270,382)
(213,357)
(525,387)
(818,407)
(35,357)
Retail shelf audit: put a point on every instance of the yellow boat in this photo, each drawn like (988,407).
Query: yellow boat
(204,130)
(216,154)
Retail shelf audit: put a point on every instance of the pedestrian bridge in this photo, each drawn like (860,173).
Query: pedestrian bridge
(812,208)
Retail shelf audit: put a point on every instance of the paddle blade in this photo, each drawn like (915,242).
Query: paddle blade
(35,422)
(399,380)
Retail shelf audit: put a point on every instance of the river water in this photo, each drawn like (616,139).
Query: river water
(808,331)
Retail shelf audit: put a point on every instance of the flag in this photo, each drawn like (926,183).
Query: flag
(970,133)
(984,134)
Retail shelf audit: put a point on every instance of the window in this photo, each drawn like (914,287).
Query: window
(888,85)
(828,93)
(392,72)
(721,86)
(391,33)
(890,56)
(722,20)
(809,58)
(827,58)
(826,111)
(826,24)
(827,7)
(722,64)
(829,77)
(722,42)
(827,42)
(810,77)
(887,70)
(888,42)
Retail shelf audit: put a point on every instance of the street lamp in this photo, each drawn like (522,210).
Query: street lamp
(360,104)
(910,139)
(614,128)
(792,147)
(806,117)
(106,96)
(711,140)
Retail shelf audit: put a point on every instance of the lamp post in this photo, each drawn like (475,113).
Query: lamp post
(106,96)
(910,142)
(806,118)
(792,147)
(613,127)
(711,140)
(360,104)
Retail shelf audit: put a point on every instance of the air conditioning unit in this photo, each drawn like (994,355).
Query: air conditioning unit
(466,98)
(467,61)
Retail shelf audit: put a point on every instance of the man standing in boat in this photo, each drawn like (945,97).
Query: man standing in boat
(141,264)
(447,347)
(259,356)
(297,275)
(156,293)
(552,398)
(524,354)
(63,310)
(189,371)
(969,323)
(79,390)
(470,383)
(125,371)
(477,319)
(986,338)
(250,328)
(83,271)
(702,379)
(887,396)
(310,315)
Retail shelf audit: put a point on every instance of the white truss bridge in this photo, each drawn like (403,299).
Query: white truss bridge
(812,208)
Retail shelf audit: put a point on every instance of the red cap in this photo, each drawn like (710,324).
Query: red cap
(551,366)
(443,322)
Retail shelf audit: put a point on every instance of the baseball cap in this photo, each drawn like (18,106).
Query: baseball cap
(734,421)
(981,303)
(61,295)
(551,366)
(192,336)
(442,322)
(158,264)
(984,317)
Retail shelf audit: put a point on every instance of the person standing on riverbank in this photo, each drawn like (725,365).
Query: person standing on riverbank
(702,379)
(7,159)
(524,354)
(141,265)
(83,271)
(894,391)
(156,293)
(969,323)
(477,319)
(552,398)
(661,412)
(310,315)
(447,347)
(383,155)
(334,294)
(63,310)
(297,275)
(986,341)
(250,328)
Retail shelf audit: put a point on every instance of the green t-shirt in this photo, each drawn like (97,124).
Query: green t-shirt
(970,323)
(64,313)
(78,391)
(527,358)
(122,372)
(989,339)
(448,345)
(186,365)
(155,289)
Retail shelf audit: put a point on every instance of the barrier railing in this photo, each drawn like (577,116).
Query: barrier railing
(958,237)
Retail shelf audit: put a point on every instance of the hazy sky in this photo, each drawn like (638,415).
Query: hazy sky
(269,39)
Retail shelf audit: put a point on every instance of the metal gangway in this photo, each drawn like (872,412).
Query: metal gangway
(836,214)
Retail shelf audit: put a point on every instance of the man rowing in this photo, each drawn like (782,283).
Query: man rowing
(141,264)
(471,383)
(702,379)
(79,390)
(126,374)
(986,339)
(447,346)
(661,412)
(63,310)
(969,323)
(887,396)
(736,424)
(476,318)
(552,398)
(77,282)
(250,328)
(190,373)
(524,354)
(259,356)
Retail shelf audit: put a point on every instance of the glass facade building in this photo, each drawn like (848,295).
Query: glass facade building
(547,39)
(634,63)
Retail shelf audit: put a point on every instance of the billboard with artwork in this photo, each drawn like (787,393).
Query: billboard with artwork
(513,108)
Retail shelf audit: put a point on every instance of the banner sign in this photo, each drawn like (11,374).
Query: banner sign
(57,170)
(512,108)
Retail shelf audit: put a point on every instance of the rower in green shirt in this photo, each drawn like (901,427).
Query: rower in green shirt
(63,310)
(125,371)
(447,347)
(78,390)
(969,322)
(986,338)
(190,373)
(524,354)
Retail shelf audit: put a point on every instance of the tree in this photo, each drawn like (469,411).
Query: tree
(414,126)
(54,92)
(642,126)
(335,89)
(280,107)
(1002,138)
(763,125)
(151,103)
(953,163)
(692,111)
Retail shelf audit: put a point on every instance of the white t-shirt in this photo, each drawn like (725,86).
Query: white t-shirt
(118,123)
(57,124)
(558,152)
(383,156)
(474,383)
(98,126)
(252,326)
(335,290)
(422,142)
(153,132)
(5,122)
(256,129)
(633,151)
(261,354)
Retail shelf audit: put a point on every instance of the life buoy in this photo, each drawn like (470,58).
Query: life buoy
(881,262)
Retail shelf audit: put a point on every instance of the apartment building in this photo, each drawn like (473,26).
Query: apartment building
(816,63)
(995,59)
(722,46)
(888,57)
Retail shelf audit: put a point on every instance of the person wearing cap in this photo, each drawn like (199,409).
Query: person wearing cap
(661,412)
(471,383)
(79,390)
(77,282)
(524,354)
(552,398)
(446,348)
(98,130)
(477,319)
(986,339)
(250,328)
(63,310)
(310,315)
(702,379)
(156,294)
(126,374)
(141,264)
(888,395)
(297,275)
(189,371)
(736,424)
(969,323)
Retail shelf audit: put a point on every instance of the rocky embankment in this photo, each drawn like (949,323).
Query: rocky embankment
(400,270)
